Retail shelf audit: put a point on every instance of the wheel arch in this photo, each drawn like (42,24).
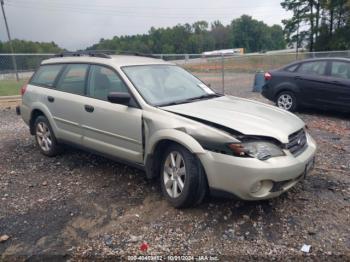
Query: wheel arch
(286,87)
(39,111)
(160,141)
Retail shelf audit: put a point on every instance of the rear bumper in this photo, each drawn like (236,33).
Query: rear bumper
(238,176)
(267,93)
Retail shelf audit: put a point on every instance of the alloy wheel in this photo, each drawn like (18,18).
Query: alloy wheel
(43,136)
(174,174)
(285,101)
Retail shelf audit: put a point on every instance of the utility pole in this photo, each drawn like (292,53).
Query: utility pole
(297,51)
(10,41)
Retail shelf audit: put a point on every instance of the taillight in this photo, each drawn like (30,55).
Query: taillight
(267,76)
(24,88)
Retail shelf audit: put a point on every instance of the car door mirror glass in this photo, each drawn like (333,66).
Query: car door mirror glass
(119,98)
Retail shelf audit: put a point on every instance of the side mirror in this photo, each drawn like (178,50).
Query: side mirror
(119,98)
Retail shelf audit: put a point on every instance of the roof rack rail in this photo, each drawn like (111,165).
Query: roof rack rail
(101,54)
(137,54)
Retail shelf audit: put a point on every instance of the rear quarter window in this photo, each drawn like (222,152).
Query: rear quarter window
(291,68)
(46,75)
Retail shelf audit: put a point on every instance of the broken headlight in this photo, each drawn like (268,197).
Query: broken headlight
(258,149)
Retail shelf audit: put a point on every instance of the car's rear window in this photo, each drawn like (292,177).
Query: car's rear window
(46,75)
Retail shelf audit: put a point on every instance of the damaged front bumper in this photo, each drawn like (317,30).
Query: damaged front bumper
(253,179)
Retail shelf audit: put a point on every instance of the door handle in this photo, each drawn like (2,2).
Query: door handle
(50,99)
(89,108)
(297,77)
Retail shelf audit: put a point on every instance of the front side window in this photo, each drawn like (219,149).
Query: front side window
(46,75)
(73,79)
(313,68)
(103,81)
(340,70)
(161,85)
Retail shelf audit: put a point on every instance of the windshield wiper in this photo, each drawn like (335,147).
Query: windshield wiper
(188,100)
(206,96)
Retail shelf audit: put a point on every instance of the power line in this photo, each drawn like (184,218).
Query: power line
(87,4)
(115,12)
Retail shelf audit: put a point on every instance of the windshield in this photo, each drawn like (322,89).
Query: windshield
(162,85)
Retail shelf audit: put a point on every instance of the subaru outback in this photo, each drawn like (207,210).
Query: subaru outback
(158,117)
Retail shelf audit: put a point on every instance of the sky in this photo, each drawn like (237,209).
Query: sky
(77,24)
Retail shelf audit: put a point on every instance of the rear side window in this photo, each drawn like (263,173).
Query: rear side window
(46,75)
(340,70)
(73,79)
(313,68)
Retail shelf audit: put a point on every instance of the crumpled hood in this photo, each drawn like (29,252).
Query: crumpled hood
(245,116)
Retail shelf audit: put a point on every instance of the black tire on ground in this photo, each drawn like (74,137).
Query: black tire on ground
(290,104)
(54,149)
(195,183)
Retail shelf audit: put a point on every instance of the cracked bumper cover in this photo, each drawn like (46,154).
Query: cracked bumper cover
(237,176)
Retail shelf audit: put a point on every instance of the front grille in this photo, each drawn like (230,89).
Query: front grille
(297,142)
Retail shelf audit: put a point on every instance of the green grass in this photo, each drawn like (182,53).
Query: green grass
(10,87)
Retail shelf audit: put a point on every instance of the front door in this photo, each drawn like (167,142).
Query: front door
(109,128)
(339,85)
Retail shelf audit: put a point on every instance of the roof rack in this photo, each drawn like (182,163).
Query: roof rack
(101,54)
(137,54)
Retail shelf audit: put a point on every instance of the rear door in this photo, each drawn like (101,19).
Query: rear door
(339,88)
(66,103)
(112,129)
(311,78)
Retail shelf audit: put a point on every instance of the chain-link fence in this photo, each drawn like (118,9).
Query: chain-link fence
(227,74)
(235,74)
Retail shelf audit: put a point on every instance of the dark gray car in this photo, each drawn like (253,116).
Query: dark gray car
(320,83)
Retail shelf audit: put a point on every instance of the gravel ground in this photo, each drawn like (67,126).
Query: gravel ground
(81,206)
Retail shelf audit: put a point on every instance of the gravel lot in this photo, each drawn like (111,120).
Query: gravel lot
(79,205)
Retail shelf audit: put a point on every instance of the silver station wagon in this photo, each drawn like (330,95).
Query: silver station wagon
(157,116)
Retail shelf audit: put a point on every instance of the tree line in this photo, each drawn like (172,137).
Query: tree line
(23,46)
(244,32)
(319,25)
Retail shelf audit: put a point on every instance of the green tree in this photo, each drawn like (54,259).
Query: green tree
(244,32)
(317,24)
(255,36)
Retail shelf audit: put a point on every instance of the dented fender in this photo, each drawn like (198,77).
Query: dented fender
(177,136)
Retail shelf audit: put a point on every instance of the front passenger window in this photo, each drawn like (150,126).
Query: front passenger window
(102,81)
(340,70)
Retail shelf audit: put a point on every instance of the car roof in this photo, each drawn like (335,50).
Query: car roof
(326,58)
(113,60)
(317,59)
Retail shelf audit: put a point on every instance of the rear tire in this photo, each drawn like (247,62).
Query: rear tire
(45,138)
(182,177)
(287,100)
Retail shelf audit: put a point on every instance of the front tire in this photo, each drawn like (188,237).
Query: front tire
(183,180)
(287,100)
(45,138)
